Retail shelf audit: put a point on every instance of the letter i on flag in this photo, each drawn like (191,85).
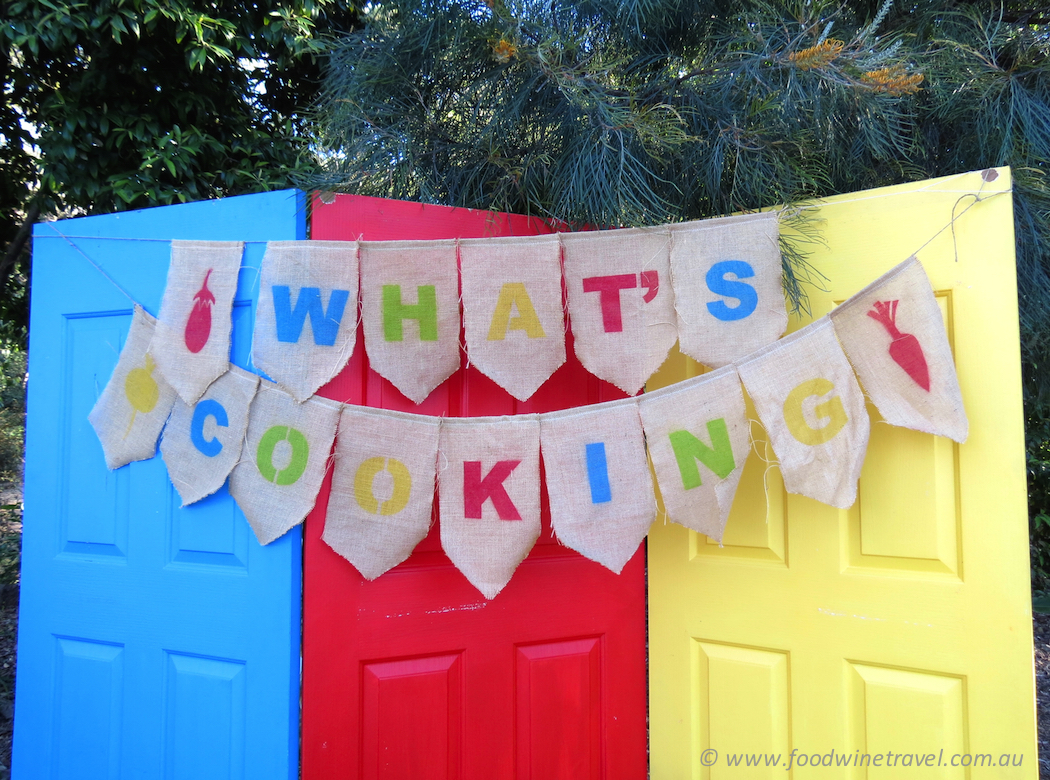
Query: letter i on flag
(813,410)
(192,341)
(893,334)
(410,309)
(489,493)
(284,460)
(698,438)
(598,480)
(621,305)
(306,323)
(202,442)
(382,497)
(136,401)
(512,312)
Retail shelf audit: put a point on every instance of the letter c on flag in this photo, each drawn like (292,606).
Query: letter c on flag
(290,474)
(201,412)
(830,410)
(365,478)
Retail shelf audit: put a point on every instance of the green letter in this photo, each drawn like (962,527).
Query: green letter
(290,474)
(688,450)
(425,312)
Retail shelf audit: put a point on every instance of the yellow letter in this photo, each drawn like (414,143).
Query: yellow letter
(831,410)
(514,294)
(366,474)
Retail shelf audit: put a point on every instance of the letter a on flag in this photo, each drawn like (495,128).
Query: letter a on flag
(489,492)
(306,324)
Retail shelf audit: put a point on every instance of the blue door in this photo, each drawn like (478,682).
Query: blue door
(154,641)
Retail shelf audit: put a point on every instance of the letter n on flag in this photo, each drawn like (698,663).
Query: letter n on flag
(698,439)
(489,496)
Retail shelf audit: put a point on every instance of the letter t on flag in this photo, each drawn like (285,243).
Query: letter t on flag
(489,494)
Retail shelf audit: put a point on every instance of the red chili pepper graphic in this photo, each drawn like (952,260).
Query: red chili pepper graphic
(904,349)
(198,326)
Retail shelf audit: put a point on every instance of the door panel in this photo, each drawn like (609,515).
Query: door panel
(153,641)
(902,624)
(415,674)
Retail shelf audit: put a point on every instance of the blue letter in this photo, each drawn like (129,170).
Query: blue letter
(290,322)
(205,409)
(598,473)
(719,285)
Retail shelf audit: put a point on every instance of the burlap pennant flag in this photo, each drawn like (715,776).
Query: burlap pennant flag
(382,496)
(512,310)
(813,410)
(621,304)
(698,438)
(284,460)
(192,342)
(893,333)
(135,403)
(489,492)
(729,295)
(410,309)
(306,322)
(598,480)
(202,442)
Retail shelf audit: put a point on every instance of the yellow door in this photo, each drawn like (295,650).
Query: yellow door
(897,632)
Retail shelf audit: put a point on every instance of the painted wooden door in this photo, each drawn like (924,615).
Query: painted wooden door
(899,629)
(154,641)
(416,675)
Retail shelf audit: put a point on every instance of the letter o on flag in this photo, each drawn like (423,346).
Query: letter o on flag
(290,474)
(365,479)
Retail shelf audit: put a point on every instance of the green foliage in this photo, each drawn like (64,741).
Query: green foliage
(119,104)
(1037,456)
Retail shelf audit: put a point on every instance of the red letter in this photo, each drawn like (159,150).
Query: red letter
(476,490)
(609,287)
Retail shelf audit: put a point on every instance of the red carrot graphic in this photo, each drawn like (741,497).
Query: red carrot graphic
(904,349)
(198,326)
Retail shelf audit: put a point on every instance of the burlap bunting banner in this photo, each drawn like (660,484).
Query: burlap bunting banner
(729,295)
(191,344)
(893,334)
(698,438)
(598,480)
(410,309)
(813,410)
(136,401)
(489,492)
(621,304)
(202,442)
(304,282)
(284,460)
(382,496)
(512,311)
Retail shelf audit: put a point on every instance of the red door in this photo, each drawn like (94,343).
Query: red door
(415,675)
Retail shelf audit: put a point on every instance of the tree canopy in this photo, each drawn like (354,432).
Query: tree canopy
(118,104)
(627,112)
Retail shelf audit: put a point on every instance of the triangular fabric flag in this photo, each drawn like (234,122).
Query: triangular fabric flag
(893,333)
(410,309)
(729,294)
(512,310)
(382,498)
(699,439)
(489,493)
(621,304)
(202,442)
(813,410)
(192,341)
(598,480)
(306,321)
(284,460)
(135,403)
